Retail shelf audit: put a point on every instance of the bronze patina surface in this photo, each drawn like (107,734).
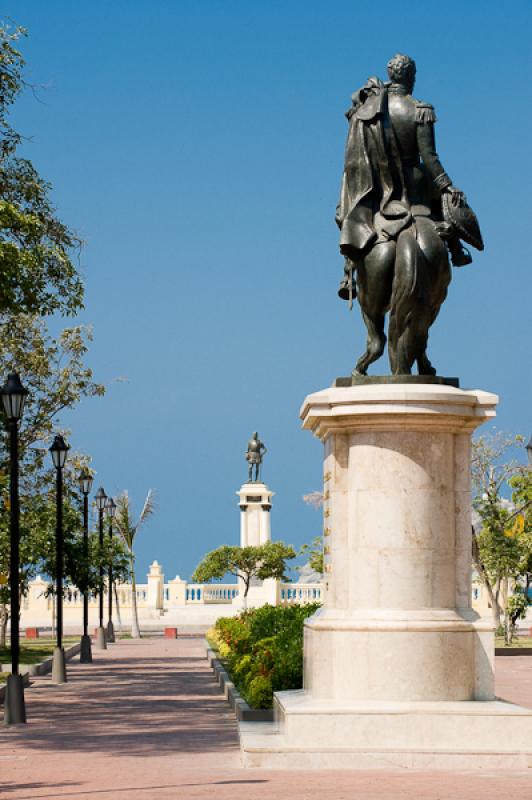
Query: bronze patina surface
(369,380)
(254,455)
(400,219)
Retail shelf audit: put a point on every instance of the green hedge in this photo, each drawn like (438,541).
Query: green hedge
(263,650)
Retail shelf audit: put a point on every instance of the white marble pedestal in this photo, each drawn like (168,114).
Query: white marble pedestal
(398,668)
(255,503)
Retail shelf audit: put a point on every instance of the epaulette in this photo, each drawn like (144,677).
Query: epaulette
(424,112)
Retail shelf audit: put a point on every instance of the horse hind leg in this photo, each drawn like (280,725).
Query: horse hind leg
(375,344)
(424,366)
(435,254)
(374,287)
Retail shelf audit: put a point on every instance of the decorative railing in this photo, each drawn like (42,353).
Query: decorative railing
(210,593)
(155,598)
(292,593)
(73,598)
(220,593)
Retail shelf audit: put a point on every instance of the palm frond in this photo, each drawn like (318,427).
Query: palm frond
(148,509)
(123,519)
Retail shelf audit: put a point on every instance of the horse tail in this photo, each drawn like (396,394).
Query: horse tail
(409,302)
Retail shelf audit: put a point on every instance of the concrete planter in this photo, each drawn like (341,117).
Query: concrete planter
(243,712)
(33,670)
(25,681)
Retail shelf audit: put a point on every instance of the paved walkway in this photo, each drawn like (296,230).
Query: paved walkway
(146,720)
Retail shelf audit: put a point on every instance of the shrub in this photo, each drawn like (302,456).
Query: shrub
(234,632)
(260,692)
(243,670)
(264,650)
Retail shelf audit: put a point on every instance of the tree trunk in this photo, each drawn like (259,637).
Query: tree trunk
(482,574)
(245,597)
(135,628)
(508,632)
(117,606)
(4,617)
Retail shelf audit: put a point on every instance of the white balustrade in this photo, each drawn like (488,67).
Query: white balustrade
(292,593)
(152,601)
(221,593)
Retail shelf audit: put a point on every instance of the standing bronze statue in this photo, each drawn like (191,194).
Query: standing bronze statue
(254,455)
(400,216)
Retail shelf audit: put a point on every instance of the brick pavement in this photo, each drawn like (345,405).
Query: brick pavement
(146,720)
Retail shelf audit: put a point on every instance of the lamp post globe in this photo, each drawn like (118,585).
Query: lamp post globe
(85,481)
(100,499)
(59,451)
(110,507)
(13,398)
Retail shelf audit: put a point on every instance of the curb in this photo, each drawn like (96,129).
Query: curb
(243,712)
(513,651)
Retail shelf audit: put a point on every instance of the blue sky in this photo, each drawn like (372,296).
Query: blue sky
(197,149)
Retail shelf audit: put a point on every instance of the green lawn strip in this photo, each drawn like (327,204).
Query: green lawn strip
(519,641)
(36,651)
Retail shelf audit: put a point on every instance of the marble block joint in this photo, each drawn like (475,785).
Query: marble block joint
(398,668)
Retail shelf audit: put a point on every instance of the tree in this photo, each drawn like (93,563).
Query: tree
(128,530)
(54,372)
(37,545)
(37,273)
(38,277)
(314,550)
(521,485)
(245,563)
(498,549)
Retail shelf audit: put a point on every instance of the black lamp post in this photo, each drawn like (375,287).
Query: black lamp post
(110,507)
(100,499)
(13,399)
(85,485)
(59,450)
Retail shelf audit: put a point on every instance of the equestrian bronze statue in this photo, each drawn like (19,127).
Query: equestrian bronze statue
(400,218)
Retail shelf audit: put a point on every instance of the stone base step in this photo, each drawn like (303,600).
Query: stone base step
(271,751)
(427,735)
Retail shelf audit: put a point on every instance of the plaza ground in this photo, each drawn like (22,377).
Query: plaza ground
(147,720)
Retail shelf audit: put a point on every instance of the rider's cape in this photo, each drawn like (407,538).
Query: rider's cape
(365,150)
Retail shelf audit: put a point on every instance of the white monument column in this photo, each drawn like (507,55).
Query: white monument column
(255,501)
(398,668)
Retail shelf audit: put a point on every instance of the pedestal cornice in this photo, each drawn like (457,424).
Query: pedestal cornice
(384,408)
